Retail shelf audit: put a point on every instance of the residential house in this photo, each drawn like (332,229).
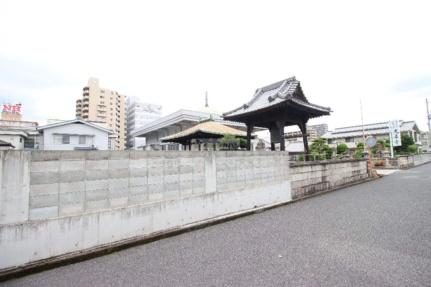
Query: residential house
(75,135)
(19,134)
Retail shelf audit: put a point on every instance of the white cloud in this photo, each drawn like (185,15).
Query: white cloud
(170,52)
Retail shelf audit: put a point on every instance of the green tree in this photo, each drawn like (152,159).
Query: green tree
(229,142)
(406,141)
(342,148)
(320,150)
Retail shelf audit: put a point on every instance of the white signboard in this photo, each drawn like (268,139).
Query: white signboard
(395,133)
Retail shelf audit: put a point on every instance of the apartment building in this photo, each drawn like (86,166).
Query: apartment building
(106,106)
(139,114)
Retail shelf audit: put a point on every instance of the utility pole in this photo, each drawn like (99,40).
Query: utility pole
(428,116)
(429,123)
(362,120)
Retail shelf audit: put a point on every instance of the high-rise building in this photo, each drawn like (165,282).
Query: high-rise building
(104,106)
(139,114)
(313,132)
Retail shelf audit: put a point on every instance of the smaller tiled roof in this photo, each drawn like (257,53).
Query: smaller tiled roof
(276,93)
(3,143)
(208,127)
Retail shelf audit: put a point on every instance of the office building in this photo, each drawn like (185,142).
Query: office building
(139,114)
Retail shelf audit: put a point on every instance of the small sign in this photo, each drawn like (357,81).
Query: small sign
(370,141)
(395,132)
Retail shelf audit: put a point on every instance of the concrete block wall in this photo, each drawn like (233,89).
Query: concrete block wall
(402,162)
(55,203)
(421,158)
(312,177)
(68,183)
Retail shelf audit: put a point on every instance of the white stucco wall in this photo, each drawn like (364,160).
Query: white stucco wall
(100,138)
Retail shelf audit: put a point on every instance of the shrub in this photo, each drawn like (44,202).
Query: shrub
(358,154)
(328,153)
(342,148)
(229,142)
(406,141)
(412,149)
(242,143)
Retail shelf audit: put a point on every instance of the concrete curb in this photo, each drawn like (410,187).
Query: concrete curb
(74,257)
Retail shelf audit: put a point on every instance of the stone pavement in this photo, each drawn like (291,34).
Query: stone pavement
(373,234)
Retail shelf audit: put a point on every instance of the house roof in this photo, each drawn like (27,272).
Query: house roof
(73,122)
(369,129)
(288,90)
(208,127)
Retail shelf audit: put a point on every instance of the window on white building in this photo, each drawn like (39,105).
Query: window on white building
(82,139)
(65,139)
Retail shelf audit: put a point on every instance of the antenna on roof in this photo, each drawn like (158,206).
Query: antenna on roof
(206,99)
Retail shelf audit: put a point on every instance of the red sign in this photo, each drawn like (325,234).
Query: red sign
(15,109)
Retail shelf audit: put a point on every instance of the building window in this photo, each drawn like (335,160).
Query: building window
(29,143)
(349,140)
(330,141)
(81,139)
(65,139)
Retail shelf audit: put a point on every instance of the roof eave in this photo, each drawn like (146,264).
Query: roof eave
(322,110)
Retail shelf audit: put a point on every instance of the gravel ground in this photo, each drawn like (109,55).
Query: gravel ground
(373,234)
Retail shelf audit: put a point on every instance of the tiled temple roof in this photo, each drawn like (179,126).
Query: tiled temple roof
(208,127)
(288,90)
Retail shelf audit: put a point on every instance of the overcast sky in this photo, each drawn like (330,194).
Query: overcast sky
(170,52)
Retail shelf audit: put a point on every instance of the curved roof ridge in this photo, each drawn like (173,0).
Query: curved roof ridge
(274,94)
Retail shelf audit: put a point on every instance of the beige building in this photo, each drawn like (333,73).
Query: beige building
(105,106)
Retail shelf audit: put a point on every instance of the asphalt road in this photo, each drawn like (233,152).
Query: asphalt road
(373,234)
